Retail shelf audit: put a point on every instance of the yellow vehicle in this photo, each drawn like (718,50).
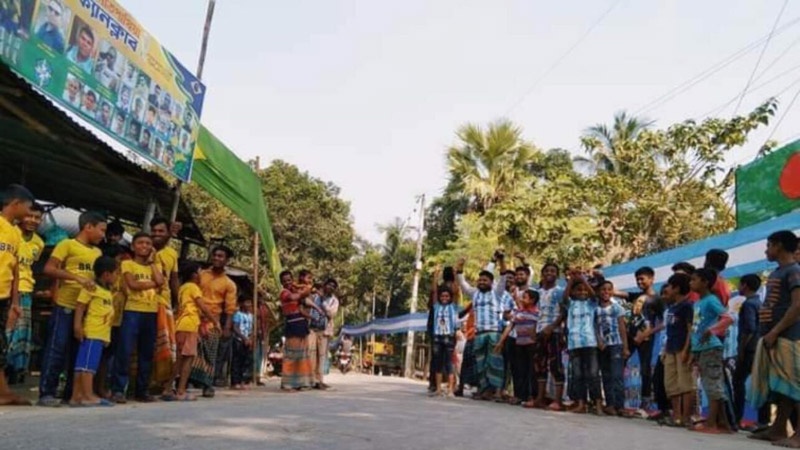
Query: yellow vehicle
(380,359)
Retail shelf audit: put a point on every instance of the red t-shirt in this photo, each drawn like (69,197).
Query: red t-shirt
(288,306)
(722,290)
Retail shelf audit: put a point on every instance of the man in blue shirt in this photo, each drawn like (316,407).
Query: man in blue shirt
(50,33)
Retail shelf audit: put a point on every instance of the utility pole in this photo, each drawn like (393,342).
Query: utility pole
(409,363)
(176,201)
(372,338)
(256,342)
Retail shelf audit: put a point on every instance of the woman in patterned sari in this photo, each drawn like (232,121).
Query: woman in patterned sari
(296,373)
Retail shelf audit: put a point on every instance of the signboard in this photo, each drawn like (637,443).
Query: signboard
(95,59)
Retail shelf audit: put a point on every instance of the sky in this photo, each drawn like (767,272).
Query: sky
(368,94)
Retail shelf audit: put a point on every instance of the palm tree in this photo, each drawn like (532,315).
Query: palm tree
(398,259)
(486,166)
(605,145)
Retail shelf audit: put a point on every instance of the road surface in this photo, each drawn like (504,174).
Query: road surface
(363,412)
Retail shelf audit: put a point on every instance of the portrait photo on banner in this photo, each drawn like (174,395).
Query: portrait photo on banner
(109,68)
(73,91)
(51,24)
(82,45)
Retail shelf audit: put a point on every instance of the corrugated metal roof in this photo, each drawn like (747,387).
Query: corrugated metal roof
(65,163)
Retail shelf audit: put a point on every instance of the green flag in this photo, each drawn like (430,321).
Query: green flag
(768,187)
(231,181)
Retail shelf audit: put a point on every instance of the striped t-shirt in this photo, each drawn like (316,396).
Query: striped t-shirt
(581,324)
(525,321)
(608,323)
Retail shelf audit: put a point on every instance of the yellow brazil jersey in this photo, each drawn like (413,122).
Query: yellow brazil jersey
(78,259)
(167,258)
(99,313)
(140,301)
(189,315)
(29,252)
(10,239)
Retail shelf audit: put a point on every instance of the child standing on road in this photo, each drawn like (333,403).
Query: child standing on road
(242,345)
(445,320)
(678,380)
(92,327)
(143,278)
(70,265)
(187,327)
(581,311)
(707,350)
(613,349)
(524,321)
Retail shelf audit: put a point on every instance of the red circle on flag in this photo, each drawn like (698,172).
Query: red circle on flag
(790,178)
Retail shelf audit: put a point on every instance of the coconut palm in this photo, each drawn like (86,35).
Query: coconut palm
(487,165)
(605,145)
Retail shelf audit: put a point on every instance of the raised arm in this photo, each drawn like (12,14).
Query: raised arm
(462,282)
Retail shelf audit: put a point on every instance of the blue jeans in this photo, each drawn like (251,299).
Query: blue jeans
(138,331)
(612,367)
(585,374)
(60,352)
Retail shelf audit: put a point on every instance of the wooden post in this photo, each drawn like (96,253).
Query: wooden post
(149,215)
(256,340)
(176,200)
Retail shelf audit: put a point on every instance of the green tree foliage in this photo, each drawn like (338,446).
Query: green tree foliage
(311,224)
(641,190)
(487,166)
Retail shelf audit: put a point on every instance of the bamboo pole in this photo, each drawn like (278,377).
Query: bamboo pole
(256,309)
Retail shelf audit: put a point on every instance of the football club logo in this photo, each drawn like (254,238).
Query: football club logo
(43,72)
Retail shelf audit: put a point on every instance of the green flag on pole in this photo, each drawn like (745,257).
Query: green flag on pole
(768,187)
(231,181)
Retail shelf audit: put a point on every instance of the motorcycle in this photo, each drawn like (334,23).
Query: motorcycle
(344,362)
(275,358)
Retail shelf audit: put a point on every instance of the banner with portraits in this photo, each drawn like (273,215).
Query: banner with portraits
(95,59)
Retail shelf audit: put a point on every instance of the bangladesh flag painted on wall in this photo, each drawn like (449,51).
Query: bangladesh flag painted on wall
(768,187)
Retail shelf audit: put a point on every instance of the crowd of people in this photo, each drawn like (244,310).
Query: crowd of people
(127,319)
(507,342)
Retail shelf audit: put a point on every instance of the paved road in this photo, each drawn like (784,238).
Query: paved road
(361,413)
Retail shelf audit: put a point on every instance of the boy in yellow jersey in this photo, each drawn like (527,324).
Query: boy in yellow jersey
(71,265)
(143,278)
(167,258)
(119,253)
(192,306)
(19,347)
(17,201)
(93,316)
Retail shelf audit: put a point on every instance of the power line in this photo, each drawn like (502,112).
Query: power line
(558,61)
(760,55)
(778,124)
(775,61)
(719,108)
(716,67)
